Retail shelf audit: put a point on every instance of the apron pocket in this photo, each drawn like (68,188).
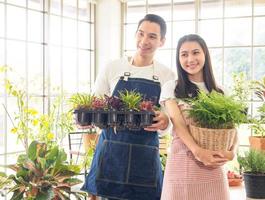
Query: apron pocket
(113,162)
(143,165)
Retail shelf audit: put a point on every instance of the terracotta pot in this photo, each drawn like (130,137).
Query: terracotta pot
(90,140)
(257,142)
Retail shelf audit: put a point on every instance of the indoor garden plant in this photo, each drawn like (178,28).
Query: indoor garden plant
(127,111)
(253,166)
(257,140)
(43,173)
(214,118)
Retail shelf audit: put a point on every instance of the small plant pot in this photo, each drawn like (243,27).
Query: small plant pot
(255,185)
(132,120)
(146,118)
(120,125)
(100,118)
(84,117)
(112,118)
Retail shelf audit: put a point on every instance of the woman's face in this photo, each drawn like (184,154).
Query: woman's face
(192,59)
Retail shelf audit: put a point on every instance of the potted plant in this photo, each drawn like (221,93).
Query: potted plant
(215,117)
(257,140)
(147,112)
(100,113)
(131,101)
(42,173)
(241,89)
(115,116)
(253,166)
(81,104)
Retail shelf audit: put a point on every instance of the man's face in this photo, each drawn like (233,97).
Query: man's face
(148,38)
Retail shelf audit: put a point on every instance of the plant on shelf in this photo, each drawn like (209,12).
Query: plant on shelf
(257,140)
(214,118)
(253,166)
(43,173)
(241,88)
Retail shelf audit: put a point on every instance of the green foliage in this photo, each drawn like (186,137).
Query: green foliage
(43,173)
(130,99)
(29,124)
(216,111)
(253,161)
(258,127)
(81,101)
(259,88)
(241,86)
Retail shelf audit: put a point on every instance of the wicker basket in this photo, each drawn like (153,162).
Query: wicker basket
(213,139)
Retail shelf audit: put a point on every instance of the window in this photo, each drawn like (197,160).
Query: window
(50,44)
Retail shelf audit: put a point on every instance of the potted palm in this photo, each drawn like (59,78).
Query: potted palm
(253,166)
(257,140)
(214,119)
(42,173)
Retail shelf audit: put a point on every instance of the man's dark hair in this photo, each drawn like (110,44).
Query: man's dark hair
(155,19)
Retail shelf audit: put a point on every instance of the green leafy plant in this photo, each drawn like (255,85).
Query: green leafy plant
(241,87)
(217,111)
(130,99)
(81,101)
(259,88)
(258,127)
(253,161)
(43,173)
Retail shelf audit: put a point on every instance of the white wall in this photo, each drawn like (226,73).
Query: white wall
(108,32)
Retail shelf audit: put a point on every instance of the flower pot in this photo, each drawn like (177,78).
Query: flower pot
(213,139)
(257,142)
(90,140)
(146,118)
(255,185)
(100,118)
(83,117)
(112,118)
(132,120)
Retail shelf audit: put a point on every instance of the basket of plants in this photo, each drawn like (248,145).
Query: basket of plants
(128,111)
(215,116)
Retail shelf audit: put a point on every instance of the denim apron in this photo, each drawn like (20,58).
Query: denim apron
(126,164)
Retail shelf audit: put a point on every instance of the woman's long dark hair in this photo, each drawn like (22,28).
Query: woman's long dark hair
(185,88)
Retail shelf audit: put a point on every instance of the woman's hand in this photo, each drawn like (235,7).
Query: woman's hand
(210,158)
(161,122)
(228,154)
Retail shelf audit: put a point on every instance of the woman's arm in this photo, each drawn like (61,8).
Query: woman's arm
(207,157)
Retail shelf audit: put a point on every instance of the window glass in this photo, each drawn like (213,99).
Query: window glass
(235,8)
(237,31)
(16,22)
(236,60)
(212,32)
(211,9)
(35,26)
(183,10)
(259,32)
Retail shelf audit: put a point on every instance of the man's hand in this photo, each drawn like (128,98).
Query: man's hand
(161,122)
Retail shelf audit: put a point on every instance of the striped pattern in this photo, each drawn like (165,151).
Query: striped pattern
(188,179)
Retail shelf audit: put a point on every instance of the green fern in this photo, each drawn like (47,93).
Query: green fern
(216,111)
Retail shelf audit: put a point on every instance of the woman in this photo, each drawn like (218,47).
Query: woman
(126,164)
(191,173)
